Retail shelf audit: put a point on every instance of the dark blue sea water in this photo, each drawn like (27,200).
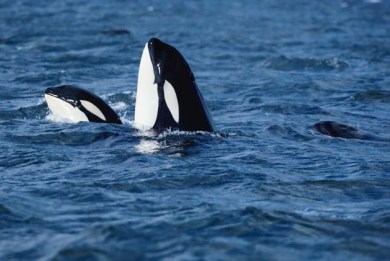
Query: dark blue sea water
(267,186)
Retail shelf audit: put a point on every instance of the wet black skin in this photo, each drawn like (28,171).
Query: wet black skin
(170,65)
(73,95)
(334,129)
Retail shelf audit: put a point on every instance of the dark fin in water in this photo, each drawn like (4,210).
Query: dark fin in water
(335,129)
(115,32)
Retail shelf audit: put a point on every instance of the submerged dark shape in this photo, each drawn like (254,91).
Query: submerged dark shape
(173,98)
(116,32)
(335,129)
(76,104)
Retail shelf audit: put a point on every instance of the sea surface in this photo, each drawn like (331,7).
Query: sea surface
(265,186)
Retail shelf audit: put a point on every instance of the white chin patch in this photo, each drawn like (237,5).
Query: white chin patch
(146,105)
(93,109)
(64,110)
(171,100)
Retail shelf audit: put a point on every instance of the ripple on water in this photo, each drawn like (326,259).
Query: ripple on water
(31,112)
(77,138)
(293,109)
(284,63)
(43,79)
(288,133)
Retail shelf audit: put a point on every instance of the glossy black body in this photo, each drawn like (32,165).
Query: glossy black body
(170,65)
(73,95)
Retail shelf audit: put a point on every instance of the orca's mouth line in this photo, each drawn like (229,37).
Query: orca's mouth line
(49,91)
(70,101)
(55,96)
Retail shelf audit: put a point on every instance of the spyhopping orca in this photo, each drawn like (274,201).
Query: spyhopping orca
(167,94)
(75,104)
(334,129)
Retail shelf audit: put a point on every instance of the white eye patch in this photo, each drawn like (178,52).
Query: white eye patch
(93,109)
(171,100)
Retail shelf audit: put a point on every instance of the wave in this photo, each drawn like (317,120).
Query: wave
(44,79)
(68,137)
(284,63)
(293,109)
(37,112)
(287,133)
(174,142)
(4,210)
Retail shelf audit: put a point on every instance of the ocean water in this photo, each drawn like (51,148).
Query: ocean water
(266,186)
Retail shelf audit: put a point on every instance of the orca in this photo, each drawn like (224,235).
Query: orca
(167,94)
(75,104)
(335,129)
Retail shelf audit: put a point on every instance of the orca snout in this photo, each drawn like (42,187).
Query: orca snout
(49,91)
(62,91)
(154,42)
(157,52)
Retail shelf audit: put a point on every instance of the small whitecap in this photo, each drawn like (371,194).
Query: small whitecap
(56,118)
(170,132)
(148,133)
(119,106)
(41,101)
(148,146)
(127,121)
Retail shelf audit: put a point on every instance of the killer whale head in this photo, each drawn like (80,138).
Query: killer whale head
(167,94)
(76,104)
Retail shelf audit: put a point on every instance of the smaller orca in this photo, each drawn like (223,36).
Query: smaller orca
(76,104)
(167,94)
(335,129)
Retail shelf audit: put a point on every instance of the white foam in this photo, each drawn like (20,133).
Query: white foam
(40,101)
(170,132)
(120,106)
(57,118)
(148,146)
(127,121)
